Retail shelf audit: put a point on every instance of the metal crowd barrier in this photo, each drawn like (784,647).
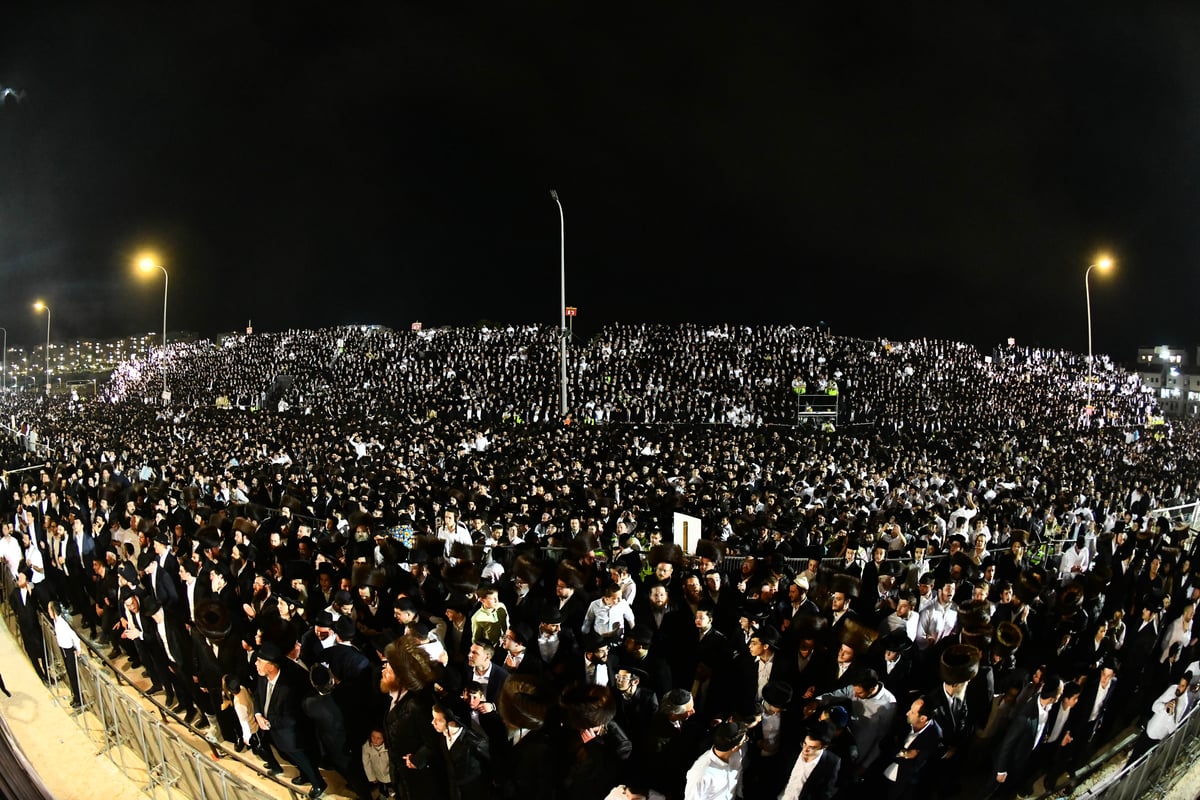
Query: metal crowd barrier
(1154,773)
(138,740)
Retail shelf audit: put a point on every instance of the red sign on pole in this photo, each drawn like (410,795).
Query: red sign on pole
(572,311)
(416,326)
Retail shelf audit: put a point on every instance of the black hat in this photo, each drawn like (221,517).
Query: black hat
(128,572)
(321,678)
(522,634)
(345,628)
(640,634)
(587,705)
(551,615)
(728,735)
(706,548)
(270,652)
(212,619)
(846,584)
(298,570)
(777,693)
(768,636)
(591,642)
(897,641)
(1007,639)
(960,663)
(525,701)
(755,610)
(460,603)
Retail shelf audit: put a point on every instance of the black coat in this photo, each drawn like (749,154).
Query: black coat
(409,731)
(927,745)
(289,726)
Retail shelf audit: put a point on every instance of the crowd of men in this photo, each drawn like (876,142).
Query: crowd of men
(422,578)
(665,374)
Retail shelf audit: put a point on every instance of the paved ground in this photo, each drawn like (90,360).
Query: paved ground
(63,755)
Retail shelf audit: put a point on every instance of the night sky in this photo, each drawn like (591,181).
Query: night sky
(901,170)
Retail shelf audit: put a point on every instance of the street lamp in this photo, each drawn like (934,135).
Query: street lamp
(562,305)
(40,306)
(4,373)
(1103,264)
(147,264)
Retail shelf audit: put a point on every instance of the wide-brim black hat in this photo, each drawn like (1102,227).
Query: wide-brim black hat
(213,619)
(960,663)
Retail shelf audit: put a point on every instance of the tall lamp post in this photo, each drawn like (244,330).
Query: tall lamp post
(4,377)
(562,305)
(147,264)
(40,306)
(1103,264)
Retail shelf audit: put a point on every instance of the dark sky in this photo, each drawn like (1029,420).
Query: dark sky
(896,170)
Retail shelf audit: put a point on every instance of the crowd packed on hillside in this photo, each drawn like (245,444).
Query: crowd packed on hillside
(659,374)
(420,576)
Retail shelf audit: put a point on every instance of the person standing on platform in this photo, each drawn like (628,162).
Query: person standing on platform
(69,644)
(26,608)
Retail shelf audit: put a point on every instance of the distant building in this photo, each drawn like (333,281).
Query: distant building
(1172,376)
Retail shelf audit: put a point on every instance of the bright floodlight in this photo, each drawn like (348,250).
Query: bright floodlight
(39,306)
(1104,262)
(147,263)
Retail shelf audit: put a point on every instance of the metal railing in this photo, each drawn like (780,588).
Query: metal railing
(140,741)
(1155,772)
(1188,514)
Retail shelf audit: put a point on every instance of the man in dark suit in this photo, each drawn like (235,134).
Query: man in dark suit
(815,772)
(1098,692)
(215,652)
(80,551)
(637,654)
(1023,735)
(1058,749)
(894,663)
(909,752)
(481,670)
(407,680)
(277,697)
(26,608)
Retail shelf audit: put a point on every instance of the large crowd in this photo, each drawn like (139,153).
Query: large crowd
(388,554)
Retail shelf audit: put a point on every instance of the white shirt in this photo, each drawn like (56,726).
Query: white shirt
(33,557)
(800,775)
(710,778)
(10,551)
(1164,722)
(935,622)
(1101,693)
(608,620)
(63,633)
(1072,558)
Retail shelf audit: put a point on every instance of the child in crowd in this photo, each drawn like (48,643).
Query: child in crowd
(376,764)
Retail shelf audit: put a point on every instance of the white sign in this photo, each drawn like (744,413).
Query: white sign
(686,530)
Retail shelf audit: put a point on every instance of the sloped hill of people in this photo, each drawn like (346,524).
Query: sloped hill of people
(639,373)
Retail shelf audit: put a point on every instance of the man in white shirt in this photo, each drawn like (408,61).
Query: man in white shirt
(69,644)
(816,770)
(715,774)
(1075,561)
(937,619)
(609,615)
(10,549)
(1167,712)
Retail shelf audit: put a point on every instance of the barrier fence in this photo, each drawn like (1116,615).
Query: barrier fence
(150,746)
(1153,773)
